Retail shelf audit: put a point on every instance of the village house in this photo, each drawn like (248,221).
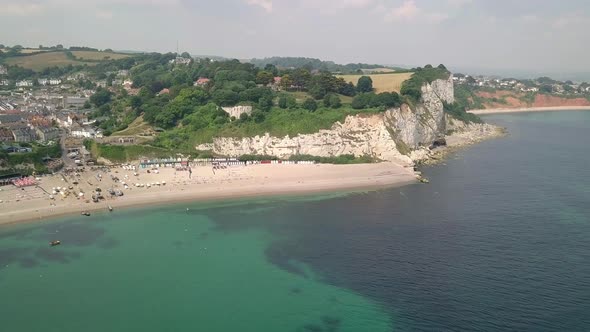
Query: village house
(127,84)
(6,106)
(54,81)
(3,70)
(4,83)
(24,84)
(23,135)
(202,81)
(6,135)
(74,102)
(85,132)
(75,77)
(101,84)
(42,81)
(276,83)
(181,61)
(9,119)
(123,73)
(47,133)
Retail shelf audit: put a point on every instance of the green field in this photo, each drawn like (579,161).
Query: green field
(98,56)
(38,62)
(301,96)
(382,82)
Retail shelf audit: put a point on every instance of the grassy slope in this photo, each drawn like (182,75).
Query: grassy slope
(137,127)
(94,56)
(38,62)
(301,96)
(382,82)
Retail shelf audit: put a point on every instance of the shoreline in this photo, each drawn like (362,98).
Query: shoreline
(528,109)
(260,181)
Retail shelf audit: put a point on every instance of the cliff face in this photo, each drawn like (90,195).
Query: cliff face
(389,136)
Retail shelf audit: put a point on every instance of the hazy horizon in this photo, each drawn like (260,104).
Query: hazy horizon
(527,35)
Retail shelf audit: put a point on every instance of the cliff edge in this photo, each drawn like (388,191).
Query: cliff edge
(389,136)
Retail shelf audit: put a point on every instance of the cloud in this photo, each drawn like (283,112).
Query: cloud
(20,9)
(529,18)
(354,3)
(406,12)
(570,20)
(265,4)
(410,12)
(104,14)
(459,3)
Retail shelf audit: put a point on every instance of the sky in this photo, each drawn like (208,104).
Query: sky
(493,35)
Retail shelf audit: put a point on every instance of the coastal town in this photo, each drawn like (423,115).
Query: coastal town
(541,84)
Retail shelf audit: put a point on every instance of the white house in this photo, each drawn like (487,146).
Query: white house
(54,81)
(4,82)
(24,83)
(181,61)
(86,132)
(127,84)
(3,70)
(42,81)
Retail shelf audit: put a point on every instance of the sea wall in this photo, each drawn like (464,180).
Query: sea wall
(389,136)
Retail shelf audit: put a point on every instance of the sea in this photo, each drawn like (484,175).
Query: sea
(498,241)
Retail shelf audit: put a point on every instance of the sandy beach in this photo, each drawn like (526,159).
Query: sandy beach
(531,109)
(34,203)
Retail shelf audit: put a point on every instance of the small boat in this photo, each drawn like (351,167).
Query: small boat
(86,213)
(55,243)
(424,180)
(110,208)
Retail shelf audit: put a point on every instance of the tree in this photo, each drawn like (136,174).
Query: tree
(347,89)
(258,116)
(546,88)
(244,117)
(310,105)
(185,55)
(87,105)
(365,84)
(332,100)
(264,77)
(317,91)
(265,103)
(286,82)
(59,46)
(224,97)
(282,103)
(135,102)
(362,100)
(101,97)
(389,99)
(272,69)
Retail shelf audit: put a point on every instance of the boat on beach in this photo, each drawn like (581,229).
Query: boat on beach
(86,213)
(54,243)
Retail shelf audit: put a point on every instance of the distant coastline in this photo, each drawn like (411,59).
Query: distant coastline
(529,109)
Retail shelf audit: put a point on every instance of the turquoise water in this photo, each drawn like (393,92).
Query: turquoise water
(498,241)
(165,270)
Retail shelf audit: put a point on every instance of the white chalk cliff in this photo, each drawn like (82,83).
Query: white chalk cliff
(389,136)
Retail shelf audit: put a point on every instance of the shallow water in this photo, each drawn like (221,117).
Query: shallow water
(498,241)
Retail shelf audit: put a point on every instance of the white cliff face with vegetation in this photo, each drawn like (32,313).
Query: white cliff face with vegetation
(389,136)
